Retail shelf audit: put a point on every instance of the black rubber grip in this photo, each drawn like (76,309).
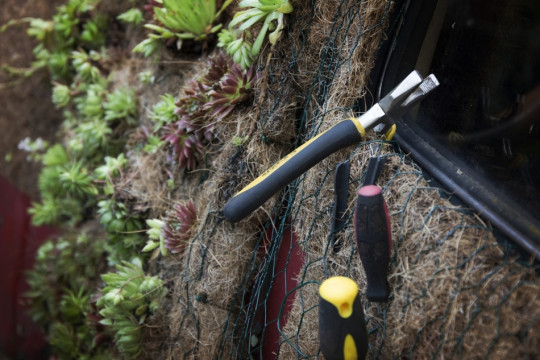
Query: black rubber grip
(290,167)
(342,327)
(373,237)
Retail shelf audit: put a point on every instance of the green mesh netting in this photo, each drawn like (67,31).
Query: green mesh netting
(456,291)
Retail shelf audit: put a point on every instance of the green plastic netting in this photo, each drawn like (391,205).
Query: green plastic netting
(457,292)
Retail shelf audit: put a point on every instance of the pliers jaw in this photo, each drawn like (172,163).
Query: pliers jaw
(383,115)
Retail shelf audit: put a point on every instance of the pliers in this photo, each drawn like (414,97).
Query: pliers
(348,132)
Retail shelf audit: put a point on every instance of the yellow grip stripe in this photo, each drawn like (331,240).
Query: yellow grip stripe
(340,291)
(277,165)
(349,348)
(359,127)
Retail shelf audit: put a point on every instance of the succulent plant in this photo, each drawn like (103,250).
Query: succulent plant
(237,46)
(89,138)
(262,10)
(232,89)
(128,298)
(112,167)
(132,16)
(61,95)
(238,141)
(48,211)
(116,217)
(178,229)
(189,19)
(83,63)
(207,100)
(181,19)
(121,104)
(89,99)
(151,4)
(62,282)
(59,178)
(148,46)
(70,28)
(76,181)
(163,113)
(155,236)
(146,77)
(185,142)
(93,32)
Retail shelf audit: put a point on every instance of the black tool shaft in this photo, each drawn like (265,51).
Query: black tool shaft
(341,187)
(343,134)
(374,169)
(373,237)
(342,328)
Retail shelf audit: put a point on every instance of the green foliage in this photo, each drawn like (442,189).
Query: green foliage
(149,46)
(181,19)
(94,122)
(239,141)
(237,46)
(62,283)
(80,176)
(267,11)
(124,238)
(116,217)
(209,99)
(83,63)
(76,181)
(39,28)
(49,211)
(146,77)
(128,298)
(189,19)
(132,16)
(56,155)
(121,104)
(163,113)
(153,144)
(75,24)
(61,95)
(74,306)
(93,33)
(156,236)
(64,187)
(111,168)
(91,139)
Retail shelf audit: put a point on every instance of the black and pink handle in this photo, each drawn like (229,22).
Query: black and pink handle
(374,240)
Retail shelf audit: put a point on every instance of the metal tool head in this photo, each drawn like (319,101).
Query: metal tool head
(397,95)
(407,93)
(418,93)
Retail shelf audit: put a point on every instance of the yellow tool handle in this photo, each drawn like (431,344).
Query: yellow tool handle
(342,327)
(345,133)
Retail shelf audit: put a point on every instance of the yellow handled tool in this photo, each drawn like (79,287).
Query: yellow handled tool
(342,328)
(345,133)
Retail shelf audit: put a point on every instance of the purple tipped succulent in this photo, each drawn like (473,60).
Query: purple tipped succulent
(218,66)
(209,99)
(233,88)
(178,228)
(185,143)
(150,5)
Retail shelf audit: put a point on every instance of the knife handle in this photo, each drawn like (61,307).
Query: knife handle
(342,327)
(374,240)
